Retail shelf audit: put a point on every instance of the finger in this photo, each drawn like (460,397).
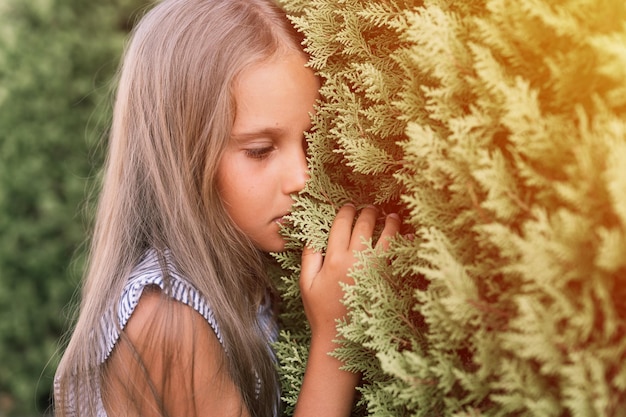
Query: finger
(364,228)
(339,237)
(311,264)
(392,228)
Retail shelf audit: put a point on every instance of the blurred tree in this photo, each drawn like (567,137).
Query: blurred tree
(57,60)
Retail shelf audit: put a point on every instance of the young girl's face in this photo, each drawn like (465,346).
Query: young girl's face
(265,161)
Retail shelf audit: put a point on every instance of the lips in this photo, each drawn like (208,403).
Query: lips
(281,220)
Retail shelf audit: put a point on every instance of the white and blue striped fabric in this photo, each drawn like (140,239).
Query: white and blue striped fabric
(147,273)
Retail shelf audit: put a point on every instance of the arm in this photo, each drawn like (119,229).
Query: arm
(168,351)
(327,390)
(168,361)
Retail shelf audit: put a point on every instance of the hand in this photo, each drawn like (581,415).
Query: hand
(321,276)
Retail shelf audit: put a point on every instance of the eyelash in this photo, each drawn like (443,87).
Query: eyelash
(259,153)
(263,153)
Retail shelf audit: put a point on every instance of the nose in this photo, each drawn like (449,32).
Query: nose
(296,172)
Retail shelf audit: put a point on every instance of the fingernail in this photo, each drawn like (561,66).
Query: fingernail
(394,216)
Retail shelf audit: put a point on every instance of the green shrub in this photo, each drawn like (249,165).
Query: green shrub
(56,62)
(497,129)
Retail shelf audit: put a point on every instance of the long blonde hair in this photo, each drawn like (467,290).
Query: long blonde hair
(172,118)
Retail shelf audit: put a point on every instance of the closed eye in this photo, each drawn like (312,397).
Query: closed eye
(259,153)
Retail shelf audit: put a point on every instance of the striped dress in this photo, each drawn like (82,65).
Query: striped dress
(148,273)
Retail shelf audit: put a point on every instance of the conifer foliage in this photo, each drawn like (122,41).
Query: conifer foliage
(497,129)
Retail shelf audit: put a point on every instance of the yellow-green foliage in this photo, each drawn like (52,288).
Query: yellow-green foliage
(497,129)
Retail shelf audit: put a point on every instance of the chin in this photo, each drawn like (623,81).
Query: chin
(277,248)
(277,245)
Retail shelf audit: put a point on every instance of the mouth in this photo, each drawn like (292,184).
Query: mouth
(281,220)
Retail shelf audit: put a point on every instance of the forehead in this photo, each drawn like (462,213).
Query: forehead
(275,93)
(282,74)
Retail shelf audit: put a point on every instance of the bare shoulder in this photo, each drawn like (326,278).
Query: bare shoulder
(173,322)
(169,359)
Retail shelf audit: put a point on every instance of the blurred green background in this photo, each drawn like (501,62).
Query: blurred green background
(57,62)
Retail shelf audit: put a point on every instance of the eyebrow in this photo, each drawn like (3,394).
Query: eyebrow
(271,132)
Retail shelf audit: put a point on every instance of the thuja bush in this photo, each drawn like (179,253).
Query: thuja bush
(497,129)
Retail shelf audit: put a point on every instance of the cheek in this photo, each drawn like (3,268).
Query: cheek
(236,175)
(227,173)
(233,183)
(225,181)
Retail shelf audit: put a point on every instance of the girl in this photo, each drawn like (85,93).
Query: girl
(206,150)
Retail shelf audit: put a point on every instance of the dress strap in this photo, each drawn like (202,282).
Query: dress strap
(149,272)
